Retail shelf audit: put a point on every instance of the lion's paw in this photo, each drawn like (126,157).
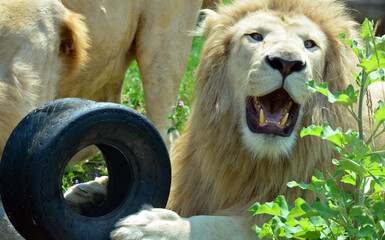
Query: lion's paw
(85,197)
(152,223)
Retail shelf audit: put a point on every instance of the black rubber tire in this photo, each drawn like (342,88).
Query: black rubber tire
(39,148)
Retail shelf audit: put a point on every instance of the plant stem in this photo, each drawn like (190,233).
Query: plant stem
(351,110)
(344,225)
(330,228)
(360,103)
(374,47)
(373,134)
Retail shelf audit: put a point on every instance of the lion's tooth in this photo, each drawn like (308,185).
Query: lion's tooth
(261,117)
(256,103)
(284,119)
(289,106)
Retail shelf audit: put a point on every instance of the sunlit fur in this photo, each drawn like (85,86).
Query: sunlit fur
(41,43)
(216,168)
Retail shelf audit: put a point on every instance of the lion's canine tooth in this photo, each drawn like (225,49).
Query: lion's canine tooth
(284,119)
(261,117)
(289,106)
(256,103)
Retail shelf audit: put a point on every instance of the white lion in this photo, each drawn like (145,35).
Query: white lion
(241,144)
(68,48)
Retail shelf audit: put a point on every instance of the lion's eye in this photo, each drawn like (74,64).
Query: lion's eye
(256,36)
(309,44)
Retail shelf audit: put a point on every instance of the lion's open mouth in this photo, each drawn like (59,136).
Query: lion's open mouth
(275,113)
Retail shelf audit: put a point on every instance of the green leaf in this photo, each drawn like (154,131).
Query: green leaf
(257,230)
(372,64)
(382,224)
(297,211)
(292,184)
(345,200)
(323,89)
(277,226)
(348,97)
(352,137)
(309,211)
(311,130)
(377,181)
(331,190)
(366,29)
(281,229)
(367,230)
(353,166)
(325,132)
(380,43)
(357,213)
(324,210)
(375,76)
(278,207)
(317,221)
(312,186)
(378,209)
(353,44)
(318,174)
(358,77)
(328,133)
(379,115)
(348,179)
(170,130)
(308,235)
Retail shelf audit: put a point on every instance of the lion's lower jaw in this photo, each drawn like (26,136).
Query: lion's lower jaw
(269,146)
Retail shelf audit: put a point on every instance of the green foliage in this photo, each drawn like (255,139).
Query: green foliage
(346,98)
(87,171)
(339,214)
(178,116)
(132,93)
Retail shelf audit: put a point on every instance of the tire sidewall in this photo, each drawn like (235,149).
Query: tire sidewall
(99,123)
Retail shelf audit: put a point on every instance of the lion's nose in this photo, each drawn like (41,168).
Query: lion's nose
(285,67)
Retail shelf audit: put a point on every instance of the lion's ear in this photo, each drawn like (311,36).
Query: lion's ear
(74,41)
(207,24)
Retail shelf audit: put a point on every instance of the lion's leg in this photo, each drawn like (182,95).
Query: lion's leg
(162,48)
(156,223)
(84,197)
